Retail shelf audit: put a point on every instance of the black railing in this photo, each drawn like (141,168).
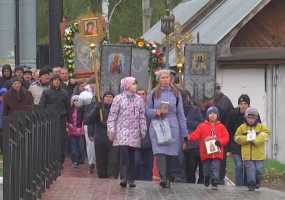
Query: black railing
(32,153)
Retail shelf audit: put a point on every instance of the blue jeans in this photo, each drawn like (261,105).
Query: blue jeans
(254,170)
(239,170)
(211,169)
(77,150)
(143,164)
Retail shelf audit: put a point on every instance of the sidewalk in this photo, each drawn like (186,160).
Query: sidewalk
(77,184)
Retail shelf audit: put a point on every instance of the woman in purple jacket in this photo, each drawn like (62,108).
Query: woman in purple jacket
(167,153)
(126,127)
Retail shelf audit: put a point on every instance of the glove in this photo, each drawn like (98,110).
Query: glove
(217,143)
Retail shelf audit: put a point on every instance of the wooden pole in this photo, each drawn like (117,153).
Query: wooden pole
(95,68)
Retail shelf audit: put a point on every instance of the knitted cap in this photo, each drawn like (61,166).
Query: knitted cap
(213,109)
(244,98)
(252,112)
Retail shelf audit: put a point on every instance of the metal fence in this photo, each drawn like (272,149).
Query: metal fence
(32,153)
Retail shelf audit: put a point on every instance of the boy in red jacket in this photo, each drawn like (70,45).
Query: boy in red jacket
(212,136)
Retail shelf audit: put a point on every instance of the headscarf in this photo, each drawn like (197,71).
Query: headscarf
(76,101)
(161,72)
(127,82)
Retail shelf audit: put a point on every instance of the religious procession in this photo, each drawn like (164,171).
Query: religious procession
(184,107)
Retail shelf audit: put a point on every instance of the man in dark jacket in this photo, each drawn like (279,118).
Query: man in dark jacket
(225,106)
(236,118)
(191,153)
(98,134)
(56,98)
(6,75)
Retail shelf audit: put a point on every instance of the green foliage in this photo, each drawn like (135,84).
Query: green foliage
(158,9)
(126,20)
(274,171)
(42,21)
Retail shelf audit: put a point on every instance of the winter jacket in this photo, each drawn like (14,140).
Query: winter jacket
(235,119)
(4,80)
(175,117)
(1,115)
(194,118)
(75,122)
(203,131)
(37,89)
(56,99)
(252,150)
(126,122)
(225,106)
(98,128)
(14,101)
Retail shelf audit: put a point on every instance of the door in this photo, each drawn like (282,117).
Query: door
(251,81)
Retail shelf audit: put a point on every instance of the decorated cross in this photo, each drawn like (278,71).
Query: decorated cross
(178,39)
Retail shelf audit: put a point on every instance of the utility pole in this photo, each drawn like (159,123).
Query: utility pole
(17,32)
(55,17)
(147,12)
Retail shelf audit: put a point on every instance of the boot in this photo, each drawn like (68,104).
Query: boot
(207,181)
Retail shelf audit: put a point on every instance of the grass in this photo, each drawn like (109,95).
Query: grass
(274,173)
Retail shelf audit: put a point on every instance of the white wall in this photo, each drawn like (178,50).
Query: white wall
(242,80)
(279,131)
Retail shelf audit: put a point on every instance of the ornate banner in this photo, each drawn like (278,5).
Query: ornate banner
(115,65)
(200,70)
(119,61)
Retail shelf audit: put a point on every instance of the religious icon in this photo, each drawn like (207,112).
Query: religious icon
(90,27)
(116,61)
(210,145)
(199,63)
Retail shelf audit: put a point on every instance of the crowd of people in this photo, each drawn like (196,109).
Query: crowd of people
(135,135)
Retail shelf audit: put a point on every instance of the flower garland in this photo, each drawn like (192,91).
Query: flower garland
(68,48)
(156,57)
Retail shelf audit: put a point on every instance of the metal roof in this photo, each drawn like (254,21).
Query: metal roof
(182,12)
(223,19)
(214,27)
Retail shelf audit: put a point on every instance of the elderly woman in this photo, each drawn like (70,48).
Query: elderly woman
(126,127)
(17,98)
(165,107)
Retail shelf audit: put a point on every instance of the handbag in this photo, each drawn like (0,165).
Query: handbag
(162,131)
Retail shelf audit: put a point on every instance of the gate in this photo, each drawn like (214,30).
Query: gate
(31,153)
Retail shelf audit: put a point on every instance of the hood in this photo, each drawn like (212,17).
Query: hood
(7,67)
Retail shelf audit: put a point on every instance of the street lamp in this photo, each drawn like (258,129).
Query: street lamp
(167,27)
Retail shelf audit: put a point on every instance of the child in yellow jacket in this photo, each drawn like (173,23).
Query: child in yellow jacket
(252,137)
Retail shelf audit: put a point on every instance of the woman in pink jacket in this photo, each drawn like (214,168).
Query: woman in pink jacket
(126,127)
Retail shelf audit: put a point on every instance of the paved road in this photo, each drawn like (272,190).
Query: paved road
(77,184)
(73,188)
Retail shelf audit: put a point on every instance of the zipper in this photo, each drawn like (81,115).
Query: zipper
(250,151)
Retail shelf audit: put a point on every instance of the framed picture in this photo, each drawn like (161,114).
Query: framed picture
(83,62)
(115,65)
(210,145)
(116,62)
(200,63)
(90,27)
